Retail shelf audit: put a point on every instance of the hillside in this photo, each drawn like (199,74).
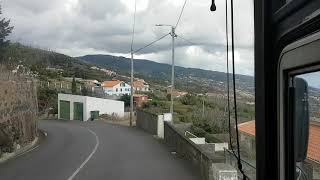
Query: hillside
(192,79)
(37,60)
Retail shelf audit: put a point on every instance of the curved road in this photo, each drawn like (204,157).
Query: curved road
(94,151)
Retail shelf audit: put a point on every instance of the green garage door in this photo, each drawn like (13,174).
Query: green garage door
(65,110)
(78,111)
(94,115)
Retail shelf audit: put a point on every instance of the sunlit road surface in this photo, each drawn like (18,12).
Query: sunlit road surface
(94,151)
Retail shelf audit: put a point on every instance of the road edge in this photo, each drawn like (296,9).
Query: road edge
(25,149)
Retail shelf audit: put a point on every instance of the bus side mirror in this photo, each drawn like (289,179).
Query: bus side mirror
(301,119)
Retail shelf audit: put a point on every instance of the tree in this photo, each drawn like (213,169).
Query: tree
(5,30)
(126,99)
(74,86)
(48,100)
(84,91)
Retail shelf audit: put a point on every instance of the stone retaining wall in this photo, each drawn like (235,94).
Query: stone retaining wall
(201,156)
(147,121)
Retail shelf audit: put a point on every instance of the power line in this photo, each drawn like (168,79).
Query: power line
(188,41)
(134,24)
(193,43)
(235,93)
(184,5)
(153,42)
(228,80)
(144,47)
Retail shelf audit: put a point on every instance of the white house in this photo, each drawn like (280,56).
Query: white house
(141,86)
(84,108)
(116,87)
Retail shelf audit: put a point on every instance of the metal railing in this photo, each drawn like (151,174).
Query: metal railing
(188,134)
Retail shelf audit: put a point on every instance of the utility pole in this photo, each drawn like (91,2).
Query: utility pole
(203,107)
(132,87)
(132,90)
(173,35)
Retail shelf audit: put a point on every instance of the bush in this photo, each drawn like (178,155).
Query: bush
(48,99)
(198,131)
(210,138)
(126,99)
(189,100)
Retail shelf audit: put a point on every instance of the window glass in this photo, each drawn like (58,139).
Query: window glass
(307,121)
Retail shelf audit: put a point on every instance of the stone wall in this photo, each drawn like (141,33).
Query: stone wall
(147,121)
(201,156)
(18,111)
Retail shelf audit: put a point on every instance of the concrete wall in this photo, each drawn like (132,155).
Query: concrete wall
(104,106)
(196,150)
(147,121)
(201,156)
(18,111)
(151,123)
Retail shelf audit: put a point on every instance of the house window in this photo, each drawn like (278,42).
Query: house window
(116,89)
(121,89)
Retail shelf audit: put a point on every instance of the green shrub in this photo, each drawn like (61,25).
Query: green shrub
(198,131)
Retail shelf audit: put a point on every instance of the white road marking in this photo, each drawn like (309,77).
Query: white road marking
(88,158)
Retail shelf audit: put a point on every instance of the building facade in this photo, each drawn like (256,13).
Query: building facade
(139,100)
(141,86)
(116,88)
(84,108)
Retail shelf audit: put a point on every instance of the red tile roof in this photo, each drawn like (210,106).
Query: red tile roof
(138,84)
(248,127)
(111,83)
(314,137)
(314,141)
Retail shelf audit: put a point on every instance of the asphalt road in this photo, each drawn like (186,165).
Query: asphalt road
(94,151)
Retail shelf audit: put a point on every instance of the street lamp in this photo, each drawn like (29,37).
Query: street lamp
(173,35)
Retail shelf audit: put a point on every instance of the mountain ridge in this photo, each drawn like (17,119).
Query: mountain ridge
(185,77)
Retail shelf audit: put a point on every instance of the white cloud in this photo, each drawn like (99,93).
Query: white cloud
(78,27)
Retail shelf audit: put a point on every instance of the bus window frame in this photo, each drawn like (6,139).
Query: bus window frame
(298,58)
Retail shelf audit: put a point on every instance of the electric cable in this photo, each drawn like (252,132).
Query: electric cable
(235,93)
(228,79)
(183,7)
(134,24)
(153,42)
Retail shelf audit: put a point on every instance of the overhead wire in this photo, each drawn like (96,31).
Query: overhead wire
(134,25)
(192,43)
(150,44)
(183,7)
(240,167)
(228,79)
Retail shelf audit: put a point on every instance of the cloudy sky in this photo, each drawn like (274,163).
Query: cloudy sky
(80,27)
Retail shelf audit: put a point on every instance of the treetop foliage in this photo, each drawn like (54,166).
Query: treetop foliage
(5,30)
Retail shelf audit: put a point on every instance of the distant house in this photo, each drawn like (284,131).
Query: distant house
(141,86)
(95,68)
(177,93)
(91,83)
(140,99)
(108,72)
(116,88)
